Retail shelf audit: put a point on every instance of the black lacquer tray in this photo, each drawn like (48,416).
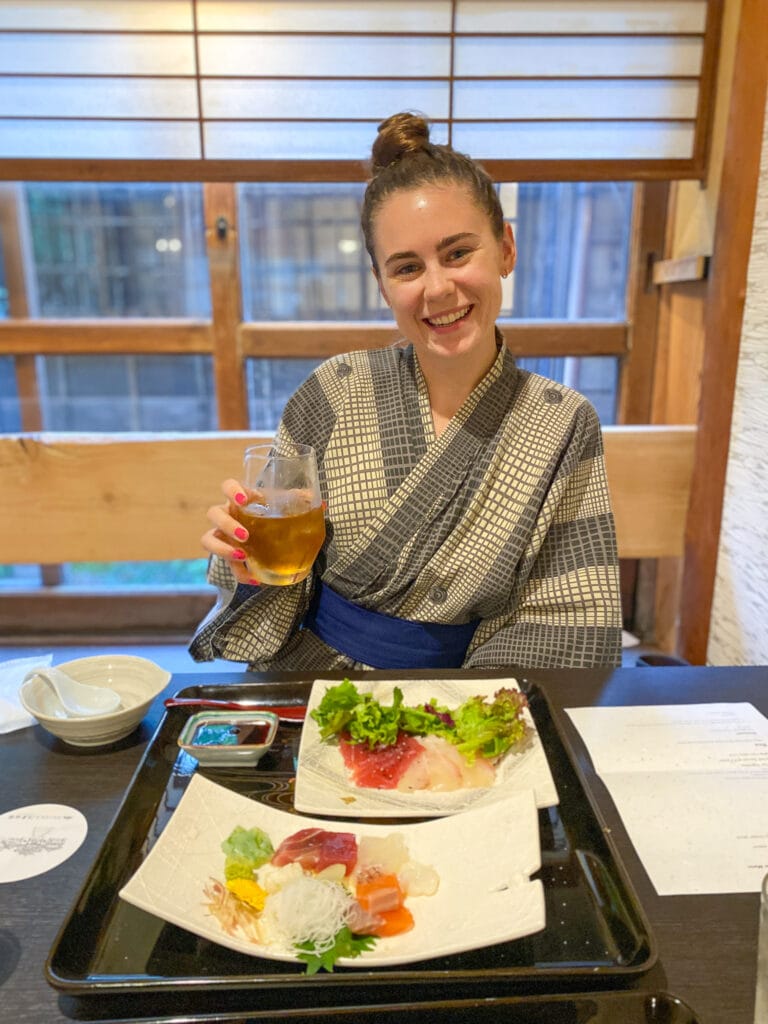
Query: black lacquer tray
(596,934)
(596,1008)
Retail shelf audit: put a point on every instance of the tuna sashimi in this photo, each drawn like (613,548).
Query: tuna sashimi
(382,767)
(315,849)
(411,764)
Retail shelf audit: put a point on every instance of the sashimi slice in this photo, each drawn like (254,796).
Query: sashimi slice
(382,767)
(315,849)
(442,769)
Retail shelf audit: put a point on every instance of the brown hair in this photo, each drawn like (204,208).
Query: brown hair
(402,157)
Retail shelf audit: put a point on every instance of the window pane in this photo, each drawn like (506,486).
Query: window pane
(303,258)
(271,382)
(118,250)
(572,249)
(20,577)
(3,287)
(176,573)
(596,377)
(119,393)
(10,409)
(302,254)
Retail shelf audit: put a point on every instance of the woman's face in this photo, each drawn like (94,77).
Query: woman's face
(439,270)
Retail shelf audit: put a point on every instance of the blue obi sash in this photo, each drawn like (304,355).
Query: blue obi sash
(383,641)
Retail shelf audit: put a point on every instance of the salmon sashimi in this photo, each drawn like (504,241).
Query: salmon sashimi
(315,849)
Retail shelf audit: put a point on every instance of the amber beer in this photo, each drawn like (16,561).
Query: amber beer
(282,544)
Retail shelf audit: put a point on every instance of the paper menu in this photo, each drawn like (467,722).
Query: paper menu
(691,784)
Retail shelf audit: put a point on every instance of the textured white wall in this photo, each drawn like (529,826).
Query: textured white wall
(739,624)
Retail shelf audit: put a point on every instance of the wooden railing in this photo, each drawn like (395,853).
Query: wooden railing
(143,497)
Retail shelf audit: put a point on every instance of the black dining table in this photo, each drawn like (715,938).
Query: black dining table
(705,945)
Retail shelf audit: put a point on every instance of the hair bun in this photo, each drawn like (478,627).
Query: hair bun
(399,134)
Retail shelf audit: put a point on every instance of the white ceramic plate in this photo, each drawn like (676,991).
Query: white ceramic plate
(484,859)
(323,785)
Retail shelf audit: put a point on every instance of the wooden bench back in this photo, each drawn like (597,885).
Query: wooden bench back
(143,497)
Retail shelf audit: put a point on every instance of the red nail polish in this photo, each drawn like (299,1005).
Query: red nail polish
(254,583)
(241,533)
(240,498)
(237,553)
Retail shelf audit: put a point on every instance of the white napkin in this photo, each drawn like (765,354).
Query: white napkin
(12,714)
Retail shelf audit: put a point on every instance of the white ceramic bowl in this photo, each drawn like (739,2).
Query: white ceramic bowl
(137,680)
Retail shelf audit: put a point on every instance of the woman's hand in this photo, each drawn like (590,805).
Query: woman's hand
(227,534)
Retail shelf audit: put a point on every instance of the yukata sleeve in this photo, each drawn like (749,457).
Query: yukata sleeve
(250,623)
(565,609)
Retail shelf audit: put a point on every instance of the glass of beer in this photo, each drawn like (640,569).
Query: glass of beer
(284,513)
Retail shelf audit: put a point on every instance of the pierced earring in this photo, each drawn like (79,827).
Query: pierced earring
(504,275)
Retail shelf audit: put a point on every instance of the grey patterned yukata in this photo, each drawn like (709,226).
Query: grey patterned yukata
(505,517)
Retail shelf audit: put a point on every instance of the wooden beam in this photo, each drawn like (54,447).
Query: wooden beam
(649,472)
(33,169)
(637,371)
(139,497)
(221,237)
(523,338)
(104,337)
(723,320)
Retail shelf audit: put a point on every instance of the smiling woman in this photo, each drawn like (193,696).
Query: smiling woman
(468,516)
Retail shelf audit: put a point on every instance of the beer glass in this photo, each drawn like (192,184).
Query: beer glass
(284,513)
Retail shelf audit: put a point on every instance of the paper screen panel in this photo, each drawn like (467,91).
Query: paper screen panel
(565,56)
(241,140)
(102,140)
(289,56)
(301,98)
(580,16)
(96,54)
(614,98)
(557,140)
(103,98)
(336,16)
(93,15)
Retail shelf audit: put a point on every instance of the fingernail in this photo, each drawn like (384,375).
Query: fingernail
(254,583)
(237,553)
(241,533)
(240,498)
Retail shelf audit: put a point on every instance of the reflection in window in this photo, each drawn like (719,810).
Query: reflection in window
(121,393)
(596,377)
(118,250)
(302,254)
(176,573)
(3,288)
(10,409)
(271,382)
(572,250)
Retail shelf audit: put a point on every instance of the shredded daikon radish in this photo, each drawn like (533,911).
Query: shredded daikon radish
(309,909)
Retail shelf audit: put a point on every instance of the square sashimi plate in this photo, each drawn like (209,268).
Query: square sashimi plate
(484,860)
(323,785)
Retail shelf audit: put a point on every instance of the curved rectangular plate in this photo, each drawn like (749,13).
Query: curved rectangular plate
(484,859)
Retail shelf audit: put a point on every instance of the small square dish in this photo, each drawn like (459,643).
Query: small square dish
(229,737)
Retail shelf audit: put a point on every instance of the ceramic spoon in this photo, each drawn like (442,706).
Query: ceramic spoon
(77,699)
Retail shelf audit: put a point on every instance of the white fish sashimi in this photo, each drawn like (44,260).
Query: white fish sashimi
(442,769)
